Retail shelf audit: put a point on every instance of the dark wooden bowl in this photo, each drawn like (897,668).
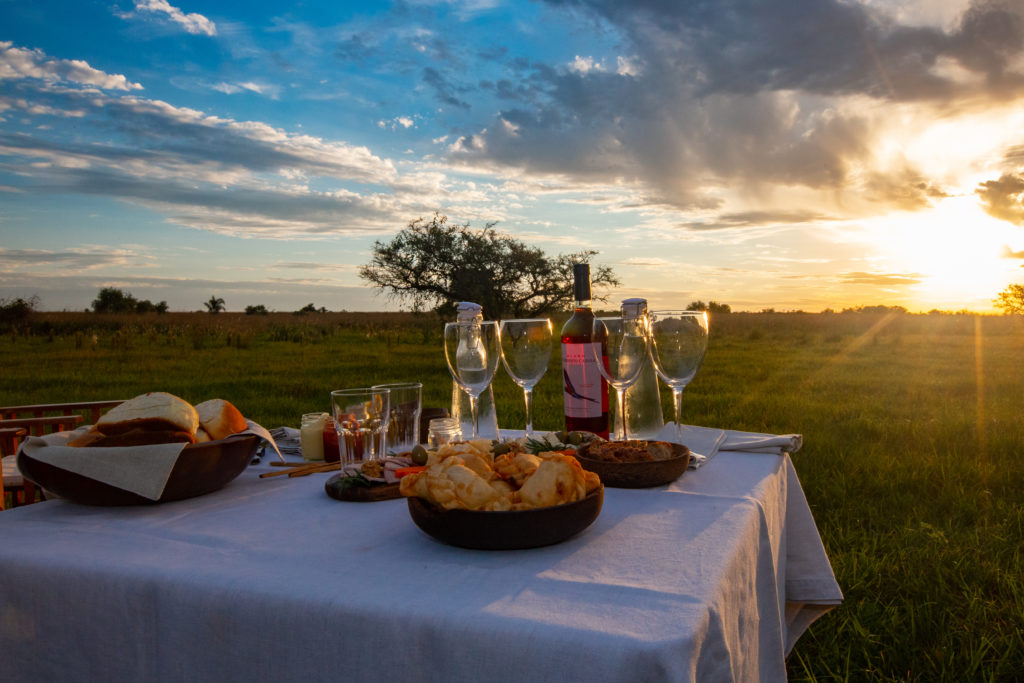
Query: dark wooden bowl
(512,530)
(639,475)
(201,468)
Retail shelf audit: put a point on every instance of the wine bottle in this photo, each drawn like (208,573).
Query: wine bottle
(585,390)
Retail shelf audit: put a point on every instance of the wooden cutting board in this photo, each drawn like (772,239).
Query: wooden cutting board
(361,494)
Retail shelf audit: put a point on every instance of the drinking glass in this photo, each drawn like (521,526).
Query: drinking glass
(679,340)
(525,352)
(472,350)
(627,346)
(361,422)
(406,399)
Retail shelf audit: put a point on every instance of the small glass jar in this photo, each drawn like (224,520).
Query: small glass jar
(311,437)
(443,430)
(330,440)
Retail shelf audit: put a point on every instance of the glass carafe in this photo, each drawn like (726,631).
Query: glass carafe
(642,413)
(469,312)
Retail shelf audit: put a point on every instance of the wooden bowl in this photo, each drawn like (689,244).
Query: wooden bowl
(639,475)
(511,530)
(200,469)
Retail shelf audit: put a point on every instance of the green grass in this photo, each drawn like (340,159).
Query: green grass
(913,462)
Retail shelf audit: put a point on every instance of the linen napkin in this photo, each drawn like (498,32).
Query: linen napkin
(143,470)
(751,442)
(705,442)
(287,440)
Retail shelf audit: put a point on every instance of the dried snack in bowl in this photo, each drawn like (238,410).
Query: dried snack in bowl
(468,476)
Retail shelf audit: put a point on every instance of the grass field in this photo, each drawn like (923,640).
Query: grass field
(913,462)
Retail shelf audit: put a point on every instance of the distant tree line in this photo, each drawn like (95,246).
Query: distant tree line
(710,307)
(113,300)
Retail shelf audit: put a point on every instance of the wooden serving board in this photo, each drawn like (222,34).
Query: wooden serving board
(361,494)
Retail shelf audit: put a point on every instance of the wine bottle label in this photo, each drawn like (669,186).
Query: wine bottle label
(585,393)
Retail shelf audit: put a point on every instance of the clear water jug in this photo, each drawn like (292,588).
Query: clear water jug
(642,401)
(470,312)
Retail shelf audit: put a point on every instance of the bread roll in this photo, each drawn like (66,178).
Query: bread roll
(219,418)
(139,437)
(86,439)
(154,411)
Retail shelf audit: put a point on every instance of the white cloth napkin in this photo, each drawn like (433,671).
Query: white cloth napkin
(751,442)
(143,470)
(705,442)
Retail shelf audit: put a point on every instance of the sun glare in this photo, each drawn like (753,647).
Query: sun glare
(955,249)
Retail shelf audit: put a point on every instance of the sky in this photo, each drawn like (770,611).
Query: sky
(804,155)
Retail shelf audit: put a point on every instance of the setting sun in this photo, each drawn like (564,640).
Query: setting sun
(955,251)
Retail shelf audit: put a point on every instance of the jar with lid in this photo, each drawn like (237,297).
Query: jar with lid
(311,438)
(443,430)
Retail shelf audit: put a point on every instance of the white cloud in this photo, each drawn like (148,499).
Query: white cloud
(193,23)
(582,65)
(248,86)
(18,63)
(628,66)
(397,122)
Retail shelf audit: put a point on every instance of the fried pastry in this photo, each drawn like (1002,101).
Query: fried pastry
(557,480)
(460,476)
(516,467)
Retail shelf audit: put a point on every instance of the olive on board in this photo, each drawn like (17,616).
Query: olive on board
(419,455)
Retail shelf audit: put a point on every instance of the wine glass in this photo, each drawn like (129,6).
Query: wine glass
(627,346)
(679,340)
(472,350)
(525,352)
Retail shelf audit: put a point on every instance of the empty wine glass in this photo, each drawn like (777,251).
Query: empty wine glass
(525,352)
(627,346)
(472,350)
(679,340)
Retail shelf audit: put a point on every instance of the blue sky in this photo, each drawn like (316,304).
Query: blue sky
(802,155)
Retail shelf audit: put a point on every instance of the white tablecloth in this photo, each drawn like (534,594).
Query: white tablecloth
(711,578)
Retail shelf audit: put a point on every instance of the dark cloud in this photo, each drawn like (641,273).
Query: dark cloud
(266,211)
(1004,198)
(742,92)
(445,90)
(356,48)
(907,189)
(68,260)
(753,218)
(818,46)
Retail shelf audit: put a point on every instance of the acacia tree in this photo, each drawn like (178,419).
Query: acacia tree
(1011,299)
(437,264)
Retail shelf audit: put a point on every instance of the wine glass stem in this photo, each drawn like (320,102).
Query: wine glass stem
(677,400)
(474,411)
(528,398)
(620,417)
